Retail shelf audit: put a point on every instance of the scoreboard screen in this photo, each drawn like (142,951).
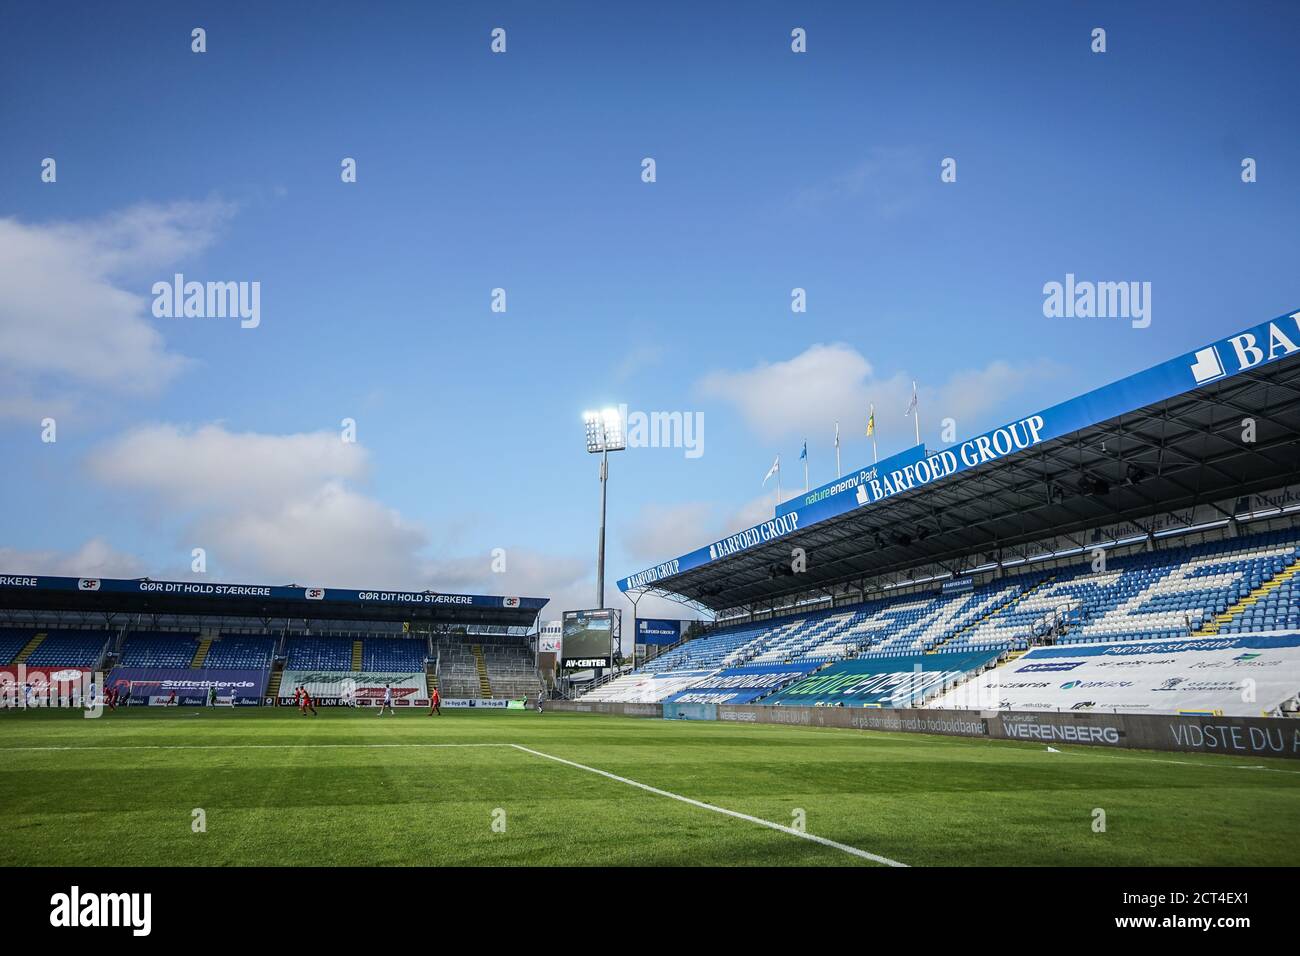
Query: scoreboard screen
(588,639)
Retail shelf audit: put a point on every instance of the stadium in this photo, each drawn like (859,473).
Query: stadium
(467,460)
(1112,582)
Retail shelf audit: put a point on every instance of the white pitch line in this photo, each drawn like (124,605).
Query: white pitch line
(245,746)
(852,850)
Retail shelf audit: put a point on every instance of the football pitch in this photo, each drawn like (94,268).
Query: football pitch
(517,788)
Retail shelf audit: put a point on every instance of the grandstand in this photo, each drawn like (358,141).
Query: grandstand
(1231,586)
(152,637)
(1134,515)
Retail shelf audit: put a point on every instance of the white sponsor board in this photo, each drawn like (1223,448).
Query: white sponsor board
(366,687)
(646,688)
(1232,675)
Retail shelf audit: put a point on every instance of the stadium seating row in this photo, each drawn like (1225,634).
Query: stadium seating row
(61,648)
(1233,586)
(86,648)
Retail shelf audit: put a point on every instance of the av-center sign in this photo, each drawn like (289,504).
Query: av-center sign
(589,638)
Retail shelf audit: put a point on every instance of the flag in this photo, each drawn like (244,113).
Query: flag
(871,422)
(837,434)
(803,455)
(911,406)
(774,470)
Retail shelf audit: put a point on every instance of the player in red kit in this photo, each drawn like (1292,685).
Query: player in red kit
(435,703)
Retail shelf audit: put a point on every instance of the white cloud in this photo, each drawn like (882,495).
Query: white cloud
(886,181)
(211,467)
(636,359)
(803,396)
(568,581)
(807,392)
(282,508)
(661,531)
(71,315)
(95,558)
(332,537)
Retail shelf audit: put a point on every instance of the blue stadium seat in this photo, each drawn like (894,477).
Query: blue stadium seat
(154,649)
(319,654)
(70,649)
(240,652)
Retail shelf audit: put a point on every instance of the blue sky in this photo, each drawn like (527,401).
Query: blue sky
(775,170)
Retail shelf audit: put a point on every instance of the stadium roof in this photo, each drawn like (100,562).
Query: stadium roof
(143,596)
(1124,452)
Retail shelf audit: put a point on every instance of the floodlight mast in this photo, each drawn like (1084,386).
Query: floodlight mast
(604,434)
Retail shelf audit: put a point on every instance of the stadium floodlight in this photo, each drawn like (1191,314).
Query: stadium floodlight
(605,433)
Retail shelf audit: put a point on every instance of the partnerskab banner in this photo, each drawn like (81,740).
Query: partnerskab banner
(881,682)
(1234,676)
(740,685)
(1260,345)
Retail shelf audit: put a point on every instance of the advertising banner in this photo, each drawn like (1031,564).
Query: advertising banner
(366,688)
(479,703)
(860,488)
(255,592)
(1232,675)
(23,686)
(190,686)
(881,682)
(739,685)
(690,711)
(1259,345)
(1239,736)
(651,630)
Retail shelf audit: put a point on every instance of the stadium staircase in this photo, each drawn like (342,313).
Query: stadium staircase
(430,678)
(1211,627)
(273,683)
(201,652)
(26,652)
(357,655)
(484,685)
(971,625)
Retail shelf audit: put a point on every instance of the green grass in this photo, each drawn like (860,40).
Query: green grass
(281,789)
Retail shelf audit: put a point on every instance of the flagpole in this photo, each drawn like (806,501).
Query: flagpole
(805,474)
(871,418)
(916,413)
(837,449)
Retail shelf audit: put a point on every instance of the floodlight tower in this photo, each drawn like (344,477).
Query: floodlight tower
(604,434)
